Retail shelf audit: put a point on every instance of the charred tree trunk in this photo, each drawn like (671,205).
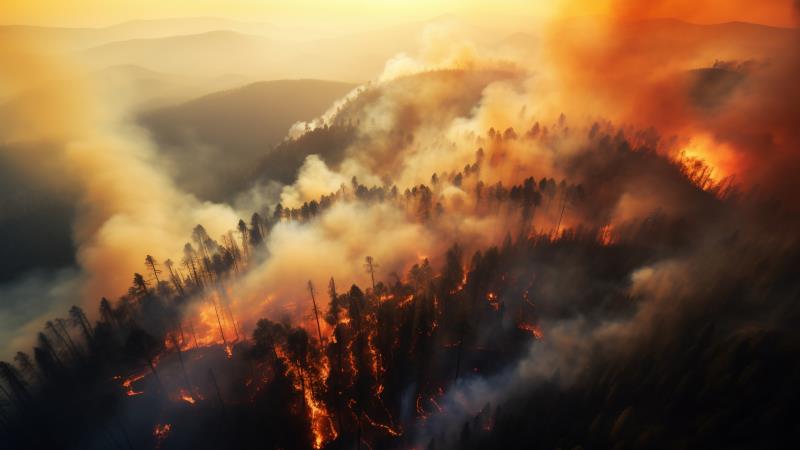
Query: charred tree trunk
(219,321)
(458,354)
(71,344)
(155,373)
(180,359)
(194,335)
(216,389)
(561,214)
(316,313)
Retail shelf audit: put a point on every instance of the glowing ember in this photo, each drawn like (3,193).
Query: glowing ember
(383,427)
(420,411)
(187,397)
(493,300)
(532,329)
(128,384)
(160,432)
(605,236)
(406,300)
(461,283)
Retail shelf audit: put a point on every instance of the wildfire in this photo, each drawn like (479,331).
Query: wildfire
(707,163)
(532,329)
(187,397)
(605,235)
(493,300)
(211,323)
(322,426)
(160,432)
(128,384)
(376,359)
(383,427)
(461,283)
(321,422)
(408,299)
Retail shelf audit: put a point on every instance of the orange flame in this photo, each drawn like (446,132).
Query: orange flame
(532,329)
(461,283)
(493,300)
(605,235)
(128,384)
(383,427)
(187,397)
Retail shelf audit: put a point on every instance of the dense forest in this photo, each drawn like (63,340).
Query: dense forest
(435,357)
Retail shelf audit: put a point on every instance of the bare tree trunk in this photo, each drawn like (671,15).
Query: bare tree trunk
(358,430)
(219,321)
(87,330)
(8,394)
(194,335)
(561,215)
(57,334)
(72,346)
(155,373)
(458,353)
(316,313)
(180,359)
(216,389)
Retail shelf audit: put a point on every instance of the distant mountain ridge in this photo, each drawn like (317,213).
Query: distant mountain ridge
(213,140)
(263,51)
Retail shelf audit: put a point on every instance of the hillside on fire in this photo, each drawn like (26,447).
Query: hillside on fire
(408,225)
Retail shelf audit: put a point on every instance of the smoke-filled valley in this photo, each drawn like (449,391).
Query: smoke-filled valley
(572,230)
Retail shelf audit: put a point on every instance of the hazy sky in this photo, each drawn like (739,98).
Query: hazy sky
(104,12)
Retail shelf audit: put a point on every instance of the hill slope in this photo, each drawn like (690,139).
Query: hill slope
(220,135)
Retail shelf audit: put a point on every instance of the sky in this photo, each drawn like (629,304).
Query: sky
(80,13)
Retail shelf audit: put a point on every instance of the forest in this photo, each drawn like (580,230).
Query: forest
(457,351)
(399,225)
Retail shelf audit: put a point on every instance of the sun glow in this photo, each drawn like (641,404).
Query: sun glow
(373,13)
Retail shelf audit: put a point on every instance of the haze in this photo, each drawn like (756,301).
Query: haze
(519,202)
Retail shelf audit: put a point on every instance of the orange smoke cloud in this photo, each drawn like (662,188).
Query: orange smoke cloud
(728,92)
(127,203)
(774,12)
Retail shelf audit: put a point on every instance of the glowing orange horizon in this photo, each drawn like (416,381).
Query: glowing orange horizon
(103,13)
